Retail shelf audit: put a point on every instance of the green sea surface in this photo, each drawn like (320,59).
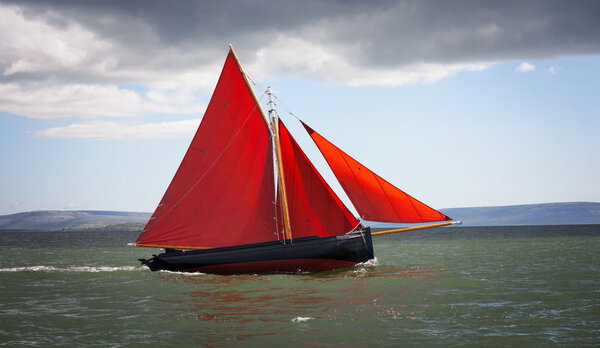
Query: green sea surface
(466,286)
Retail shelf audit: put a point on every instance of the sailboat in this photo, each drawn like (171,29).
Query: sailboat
(246,199)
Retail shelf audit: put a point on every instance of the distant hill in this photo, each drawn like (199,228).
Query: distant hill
(573,213)
(73,220)
(513,215)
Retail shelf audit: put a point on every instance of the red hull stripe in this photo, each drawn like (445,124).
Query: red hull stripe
(291,265)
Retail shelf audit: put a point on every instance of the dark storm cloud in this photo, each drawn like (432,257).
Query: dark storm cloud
(348,42)
(190,22)
(381,33)
(451,31)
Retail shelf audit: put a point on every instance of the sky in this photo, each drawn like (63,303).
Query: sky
(458,103)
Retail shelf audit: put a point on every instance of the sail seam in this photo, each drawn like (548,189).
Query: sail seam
(252,215)
(247,131)
(413,205)
(389,200)
(212,135)
(411,200)
(355,178)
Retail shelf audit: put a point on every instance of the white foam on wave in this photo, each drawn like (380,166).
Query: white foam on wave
(369,263)
(190,274)
(301,319)
(361,268)
(82,269)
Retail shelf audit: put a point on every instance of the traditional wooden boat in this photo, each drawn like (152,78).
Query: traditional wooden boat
(246,198)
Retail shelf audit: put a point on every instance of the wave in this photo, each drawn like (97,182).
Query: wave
(96,269)
(301,319)
(81,269)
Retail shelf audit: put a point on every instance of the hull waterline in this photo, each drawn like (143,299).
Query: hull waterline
(309,254)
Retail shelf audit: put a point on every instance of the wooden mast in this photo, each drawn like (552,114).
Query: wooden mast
(275,127)
(275,130)
(237,61)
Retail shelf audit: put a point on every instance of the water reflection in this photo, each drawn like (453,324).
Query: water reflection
(251,306)
(283,297)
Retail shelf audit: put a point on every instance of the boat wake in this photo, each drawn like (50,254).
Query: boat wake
(361,269)
(80,269)
(190,274)
(370,263)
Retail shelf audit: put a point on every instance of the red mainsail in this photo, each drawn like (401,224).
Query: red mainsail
(374,198)
(315,210)
(223,191)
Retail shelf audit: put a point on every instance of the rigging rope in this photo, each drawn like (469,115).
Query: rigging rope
(261,87)
(289,111)
(286,108)
(210,167)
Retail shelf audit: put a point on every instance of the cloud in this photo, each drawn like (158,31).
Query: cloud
(117,130)
(30,47)
(553,69)
(383,32)
(60,71)
(160,44)
(85,101)
(525,67)
(69,58)
(37,49)
(47,101)
(296,55)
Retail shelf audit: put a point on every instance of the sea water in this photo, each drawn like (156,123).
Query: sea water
(466,286)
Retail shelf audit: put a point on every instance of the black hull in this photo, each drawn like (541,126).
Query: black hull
(309,254)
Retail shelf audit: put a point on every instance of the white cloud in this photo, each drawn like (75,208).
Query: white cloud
(553,69)
(525,67)
(47,101)
(421,73)
(84,101)
(74,53)
(329,63)
(68,71)
(30,46)
(117,130)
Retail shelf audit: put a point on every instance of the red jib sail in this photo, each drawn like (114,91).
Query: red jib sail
(374,198)
(313,207)
(223,191)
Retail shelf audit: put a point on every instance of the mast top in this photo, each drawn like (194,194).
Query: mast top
(271,104)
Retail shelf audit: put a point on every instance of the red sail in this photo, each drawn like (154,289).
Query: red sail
(314,208)
(223,191)
(374,198)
